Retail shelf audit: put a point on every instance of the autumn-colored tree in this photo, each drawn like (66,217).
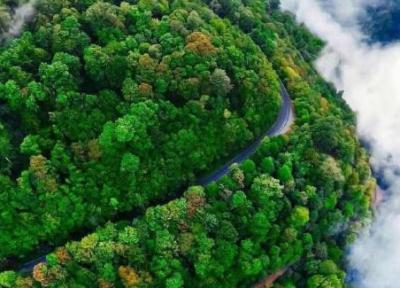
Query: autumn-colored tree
(200,43)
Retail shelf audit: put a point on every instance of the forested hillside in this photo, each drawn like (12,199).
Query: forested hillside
(109,107)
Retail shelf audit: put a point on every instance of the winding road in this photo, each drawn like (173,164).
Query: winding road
(281,126)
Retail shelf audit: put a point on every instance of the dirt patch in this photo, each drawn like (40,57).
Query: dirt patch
(268,281)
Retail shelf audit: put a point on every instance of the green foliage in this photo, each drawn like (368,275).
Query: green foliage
(228,234)
(300,216)
(220,82)
(129,163)
(30,145)
(285,174)
(7,279)
(106,107)
(268,165)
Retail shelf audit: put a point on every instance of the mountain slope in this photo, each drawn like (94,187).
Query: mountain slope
(105,109)
(294,205)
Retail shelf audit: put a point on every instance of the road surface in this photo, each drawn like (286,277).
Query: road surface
(28,266)
(281,126)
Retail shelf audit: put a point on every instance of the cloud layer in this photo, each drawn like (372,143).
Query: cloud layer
(21,15)
(370,78)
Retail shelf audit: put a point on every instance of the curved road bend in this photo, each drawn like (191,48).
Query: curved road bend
(281,126)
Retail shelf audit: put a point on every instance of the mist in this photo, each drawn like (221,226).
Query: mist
(21,15)
(369,75)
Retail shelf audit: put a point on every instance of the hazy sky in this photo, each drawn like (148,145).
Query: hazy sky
(370,78)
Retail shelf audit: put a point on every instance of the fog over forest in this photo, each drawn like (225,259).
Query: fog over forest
(368,75)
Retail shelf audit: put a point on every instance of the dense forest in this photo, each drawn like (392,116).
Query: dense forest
(109,107)
(106,108)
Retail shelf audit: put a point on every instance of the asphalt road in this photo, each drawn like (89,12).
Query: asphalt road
(281,126)
(28,266)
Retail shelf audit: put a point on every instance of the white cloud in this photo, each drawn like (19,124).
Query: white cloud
(21,14)
(370,78)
